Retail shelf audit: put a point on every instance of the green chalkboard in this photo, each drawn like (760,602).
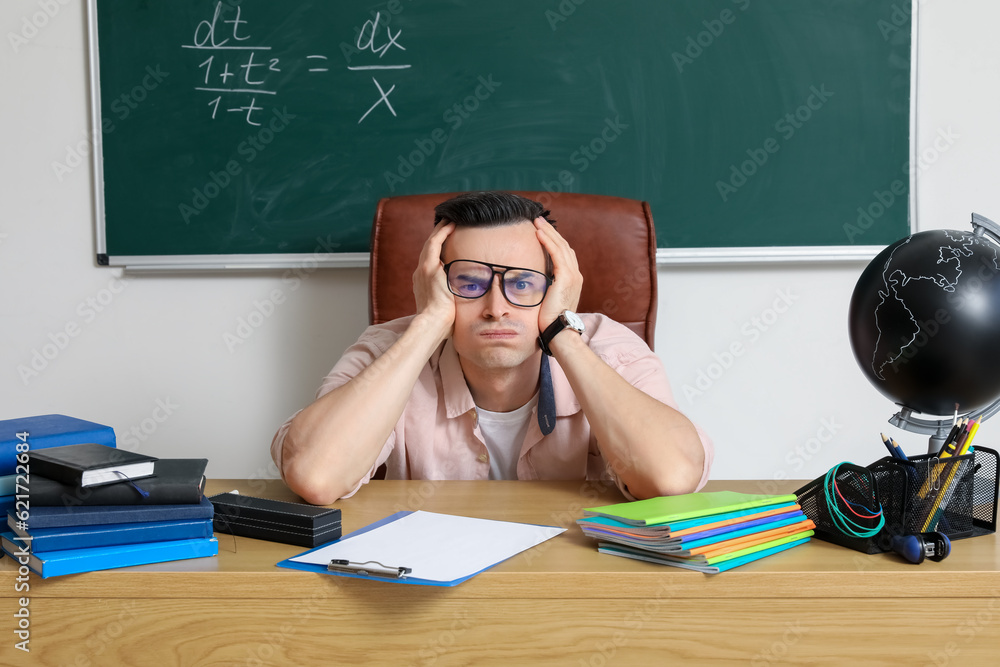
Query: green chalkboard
(267,128)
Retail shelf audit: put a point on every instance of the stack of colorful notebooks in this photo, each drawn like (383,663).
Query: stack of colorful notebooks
(707,532)
(91,507)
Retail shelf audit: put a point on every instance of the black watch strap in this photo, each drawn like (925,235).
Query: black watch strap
(558,325)
(550,332)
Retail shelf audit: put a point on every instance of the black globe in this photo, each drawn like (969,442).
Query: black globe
(925,322)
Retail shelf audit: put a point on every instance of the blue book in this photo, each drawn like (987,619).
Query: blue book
(84,537)
(705,541)
(691,523)
(46,431)
(92,515)
(7,503)
(71,561)
(8,485)
(740,529)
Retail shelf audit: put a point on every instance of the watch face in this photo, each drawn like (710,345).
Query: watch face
(573,321)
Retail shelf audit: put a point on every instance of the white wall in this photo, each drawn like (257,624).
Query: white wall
(155,350)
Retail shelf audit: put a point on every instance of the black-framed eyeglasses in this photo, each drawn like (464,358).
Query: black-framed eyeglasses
(470,279)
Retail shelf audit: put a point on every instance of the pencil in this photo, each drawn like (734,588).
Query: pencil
(967,444)
(899,450)
(888,445)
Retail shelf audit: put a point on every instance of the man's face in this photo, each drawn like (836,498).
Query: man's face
(490,332)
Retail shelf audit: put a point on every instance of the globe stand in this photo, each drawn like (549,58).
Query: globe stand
(937,429)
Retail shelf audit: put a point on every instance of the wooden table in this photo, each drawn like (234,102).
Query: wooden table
(559,603)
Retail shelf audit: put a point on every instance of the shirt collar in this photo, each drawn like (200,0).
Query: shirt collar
(457,398)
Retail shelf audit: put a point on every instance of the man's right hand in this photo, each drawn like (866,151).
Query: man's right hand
(333,443)
(430,284)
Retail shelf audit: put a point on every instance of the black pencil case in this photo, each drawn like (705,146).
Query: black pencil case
(275,520)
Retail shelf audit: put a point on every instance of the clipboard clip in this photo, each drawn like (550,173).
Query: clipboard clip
(371,568)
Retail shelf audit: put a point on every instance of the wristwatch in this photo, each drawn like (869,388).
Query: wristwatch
(567,320)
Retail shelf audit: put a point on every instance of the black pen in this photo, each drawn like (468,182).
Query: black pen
(949,447)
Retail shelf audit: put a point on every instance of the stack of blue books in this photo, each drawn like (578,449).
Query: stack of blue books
(19,436)
(61,526)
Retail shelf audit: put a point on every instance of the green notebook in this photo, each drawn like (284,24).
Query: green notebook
(665,509)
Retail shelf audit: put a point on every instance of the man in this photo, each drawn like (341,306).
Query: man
(464,390)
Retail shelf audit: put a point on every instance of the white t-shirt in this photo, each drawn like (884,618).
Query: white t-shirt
(503,433)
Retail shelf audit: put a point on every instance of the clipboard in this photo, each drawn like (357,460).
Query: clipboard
(511,539)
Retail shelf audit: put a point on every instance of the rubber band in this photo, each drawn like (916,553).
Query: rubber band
(842,522)
(852,505)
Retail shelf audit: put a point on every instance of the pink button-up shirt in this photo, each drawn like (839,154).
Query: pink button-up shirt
(438,436)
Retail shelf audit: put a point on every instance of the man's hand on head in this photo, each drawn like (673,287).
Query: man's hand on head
(564,292)
(430,285)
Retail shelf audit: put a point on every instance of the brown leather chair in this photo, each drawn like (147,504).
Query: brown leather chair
(613,238)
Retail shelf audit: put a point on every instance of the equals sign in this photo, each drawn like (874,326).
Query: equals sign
(317,69)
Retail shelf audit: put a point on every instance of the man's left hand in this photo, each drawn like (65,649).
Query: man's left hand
(564,292)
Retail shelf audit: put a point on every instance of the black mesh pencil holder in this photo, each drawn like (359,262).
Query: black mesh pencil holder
(939,494)
(956,496)
(867,488)
(985,487)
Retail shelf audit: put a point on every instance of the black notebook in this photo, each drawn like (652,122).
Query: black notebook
(275,520)
(90,464)
(175,482)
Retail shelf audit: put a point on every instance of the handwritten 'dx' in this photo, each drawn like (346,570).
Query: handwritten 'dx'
(371,40)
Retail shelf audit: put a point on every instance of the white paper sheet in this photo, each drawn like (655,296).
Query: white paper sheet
(437,547)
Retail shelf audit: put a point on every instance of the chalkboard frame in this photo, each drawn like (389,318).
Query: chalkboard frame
(273,261)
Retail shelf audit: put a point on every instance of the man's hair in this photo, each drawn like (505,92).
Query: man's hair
(489,209)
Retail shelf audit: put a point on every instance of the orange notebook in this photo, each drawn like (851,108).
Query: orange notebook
(719,548)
